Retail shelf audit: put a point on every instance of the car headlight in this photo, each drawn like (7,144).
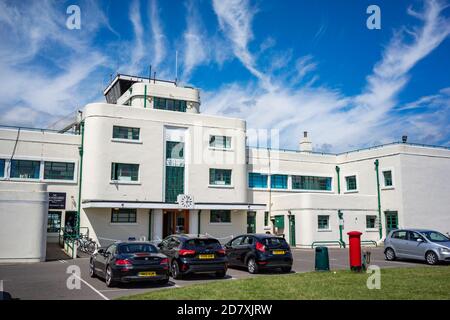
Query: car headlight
(444,250)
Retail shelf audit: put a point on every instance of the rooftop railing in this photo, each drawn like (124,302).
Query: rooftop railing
(36,129)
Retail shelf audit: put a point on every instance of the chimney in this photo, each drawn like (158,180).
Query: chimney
(305,144)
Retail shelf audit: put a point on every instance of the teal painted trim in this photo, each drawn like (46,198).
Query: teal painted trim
(145,96)
(81,151)
(380,227)
(199,222)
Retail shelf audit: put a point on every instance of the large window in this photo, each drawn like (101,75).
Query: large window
(174,150)
(220,216)
(387,178)
(54,221)
(266,218)
(220,142)
(123,216)
(278,181)
(169,104)
(124,172)
(311,183)
(2,168)
(371,222)
(125,133)
(58,170)
(220,177)
(257,180)
(25,169)
(351,183)
(174,183)
(323,222)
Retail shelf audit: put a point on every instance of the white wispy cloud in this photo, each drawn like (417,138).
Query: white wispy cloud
(138,49)
(158,37)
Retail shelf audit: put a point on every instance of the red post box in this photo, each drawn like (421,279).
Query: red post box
(355,250)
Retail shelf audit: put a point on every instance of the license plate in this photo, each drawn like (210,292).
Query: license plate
(147,274)
(278,251)
(206,256)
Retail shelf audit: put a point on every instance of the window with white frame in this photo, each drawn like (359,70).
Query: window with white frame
(58,170)
(125,133)
(220,142)
(220,177)
(387,178)
(371,222)
(124,172)
(351,183)
(323,222)
(25,169)
(2,168)
(123,215)
(220,216)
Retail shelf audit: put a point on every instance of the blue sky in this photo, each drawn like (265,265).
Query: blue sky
(288,66)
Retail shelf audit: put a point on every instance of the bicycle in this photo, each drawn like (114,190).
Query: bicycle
(86,244)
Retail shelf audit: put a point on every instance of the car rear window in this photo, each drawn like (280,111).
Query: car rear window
(274,242)
(137,247)
(203,243)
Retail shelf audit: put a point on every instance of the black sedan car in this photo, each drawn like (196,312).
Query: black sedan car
(189,254)
(129,261)
(259,251)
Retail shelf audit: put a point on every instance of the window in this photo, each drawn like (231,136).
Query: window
(125,133)
(387,176)
(401,235)
(174,183)
(371,222)
(220,177)
(124,172)
(220,142)
(237,241)
(169,104)
(2,168)
(413,236)
(54,221)
(248,240)
(323,222)
(311,183)
(266,218)
(435,236)
(220,216)
(257,180)
(25,169)
(58,170)
(123,216)
(174,150)
(351,183)
(278,181)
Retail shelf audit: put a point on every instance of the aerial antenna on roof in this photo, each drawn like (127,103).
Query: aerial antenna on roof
(154,77)
(150,73)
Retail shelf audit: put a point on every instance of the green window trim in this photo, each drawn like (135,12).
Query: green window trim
(257,180)
(351,183)
(387,178)
(323,222)
(311,183)
(169,104)
(371,222)
(2,168)
(123,215)
(220,142)
(278,181)
(174,150)
(220,177)
(174,183)
(124,172)
(220,216)
(126,133)
(59,170)
(266,218)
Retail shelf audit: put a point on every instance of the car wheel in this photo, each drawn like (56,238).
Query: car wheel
(109,278)
(92,269)
(389,254)
(286,269)
(221,274)
(431,258)
(176,271)
(252,266)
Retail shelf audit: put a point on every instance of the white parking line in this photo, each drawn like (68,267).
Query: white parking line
(90,286)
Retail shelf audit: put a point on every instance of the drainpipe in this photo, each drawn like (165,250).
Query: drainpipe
(380,228)
(145,96)
(340,214)
(150,225)
(80,150)
(198,223)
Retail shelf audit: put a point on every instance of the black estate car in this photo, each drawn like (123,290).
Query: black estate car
(190,254)
(129,261)
(259,251)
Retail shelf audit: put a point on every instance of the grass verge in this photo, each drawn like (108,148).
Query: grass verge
(396,283)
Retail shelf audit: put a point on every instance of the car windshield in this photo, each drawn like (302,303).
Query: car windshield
(434,236)
(203,243)
(137,247)
(274,242)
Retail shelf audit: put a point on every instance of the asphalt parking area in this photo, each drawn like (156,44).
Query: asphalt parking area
(48,280)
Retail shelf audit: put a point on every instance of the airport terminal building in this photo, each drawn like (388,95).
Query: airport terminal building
(147,164)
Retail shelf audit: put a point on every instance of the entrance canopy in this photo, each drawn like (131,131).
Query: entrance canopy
(87,204)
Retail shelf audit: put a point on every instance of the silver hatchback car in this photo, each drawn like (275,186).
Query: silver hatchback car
(418,244)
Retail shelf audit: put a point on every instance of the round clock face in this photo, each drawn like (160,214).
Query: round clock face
(186,201)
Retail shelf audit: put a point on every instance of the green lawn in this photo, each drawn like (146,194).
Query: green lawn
(396,283)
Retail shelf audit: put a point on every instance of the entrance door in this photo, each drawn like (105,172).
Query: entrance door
(70,219)
(175,221)
(391,221)
(251,221)
(292,230)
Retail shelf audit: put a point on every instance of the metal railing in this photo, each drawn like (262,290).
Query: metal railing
(369,242)
(327,242)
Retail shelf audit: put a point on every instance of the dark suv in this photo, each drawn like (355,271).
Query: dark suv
(190,254)
(259,251)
